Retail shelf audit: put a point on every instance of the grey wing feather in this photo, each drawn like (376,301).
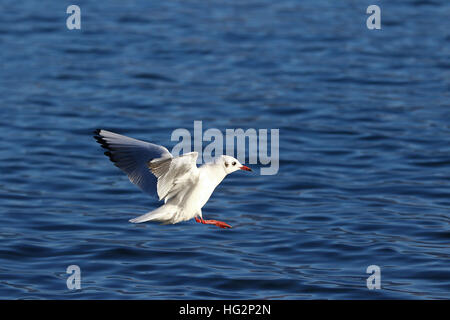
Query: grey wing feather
(132,156)
(174,173)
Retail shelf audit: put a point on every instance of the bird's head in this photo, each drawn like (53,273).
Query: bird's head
(231,164)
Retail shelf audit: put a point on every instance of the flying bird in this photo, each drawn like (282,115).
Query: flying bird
(184,188)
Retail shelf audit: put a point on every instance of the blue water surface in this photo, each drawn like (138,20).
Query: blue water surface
(364,120)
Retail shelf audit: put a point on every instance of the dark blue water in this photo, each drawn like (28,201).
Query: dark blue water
(364,119)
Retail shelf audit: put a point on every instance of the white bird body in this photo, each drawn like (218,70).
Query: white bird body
(184,188)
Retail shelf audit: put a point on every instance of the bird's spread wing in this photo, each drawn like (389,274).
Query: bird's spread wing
(132,156)
(176,176)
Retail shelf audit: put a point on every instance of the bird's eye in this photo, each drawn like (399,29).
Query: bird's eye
(234,163)
(226,164)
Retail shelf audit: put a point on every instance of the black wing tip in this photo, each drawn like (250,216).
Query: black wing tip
(97,135)
(101,140)
(110,156)
(103,143)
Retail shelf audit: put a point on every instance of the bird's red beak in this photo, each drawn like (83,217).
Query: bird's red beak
(245,168)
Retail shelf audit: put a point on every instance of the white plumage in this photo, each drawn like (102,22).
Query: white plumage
(184,188)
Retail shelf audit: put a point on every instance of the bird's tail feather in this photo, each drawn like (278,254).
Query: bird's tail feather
(165,213)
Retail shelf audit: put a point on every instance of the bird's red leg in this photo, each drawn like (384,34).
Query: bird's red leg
(215,222)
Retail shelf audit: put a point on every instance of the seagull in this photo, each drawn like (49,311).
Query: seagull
(184,188)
